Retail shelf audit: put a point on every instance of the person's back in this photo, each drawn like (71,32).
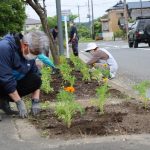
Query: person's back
(55,32)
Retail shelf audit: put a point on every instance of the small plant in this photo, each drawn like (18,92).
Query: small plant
(46,79)
(96,74)
(66,107)
(105,73)
(66,110)
(86,74)
(102,94)
(142,89)
(66,94)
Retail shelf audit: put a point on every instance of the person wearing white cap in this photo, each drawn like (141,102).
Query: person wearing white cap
(101,56)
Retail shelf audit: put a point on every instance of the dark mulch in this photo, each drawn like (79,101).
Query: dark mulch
(119,119)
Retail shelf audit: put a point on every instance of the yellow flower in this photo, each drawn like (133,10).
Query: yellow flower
(69,89)
(105,65)
(105,80)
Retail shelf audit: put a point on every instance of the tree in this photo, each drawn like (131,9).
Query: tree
(41,11)
(52,21)
(12,16)
(97,27)
(83,31)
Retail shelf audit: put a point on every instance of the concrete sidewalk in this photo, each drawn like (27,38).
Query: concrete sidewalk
(19,134)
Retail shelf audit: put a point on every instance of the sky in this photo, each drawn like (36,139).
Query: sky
(99,6)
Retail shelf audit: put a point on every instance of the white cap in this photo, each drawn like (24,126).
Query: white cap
(90,47)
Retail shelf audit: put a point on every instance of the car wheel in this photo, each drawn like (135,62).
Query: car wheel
(130,44)
(149,44)
(135,44)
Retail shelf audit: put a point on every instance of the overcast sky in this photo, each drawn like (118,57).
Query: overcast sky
(100,6)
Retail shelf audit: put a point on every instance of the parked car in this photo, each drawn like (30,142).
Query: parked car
(139,32)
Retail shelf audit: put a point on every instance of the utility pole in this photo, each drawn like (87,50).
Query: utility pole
(126,17)
(59,24)
(89,16)
(93,36)
(79,13)
(141,7)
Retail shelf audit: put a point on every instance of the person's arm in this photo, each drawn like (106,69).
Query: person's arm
(46,60)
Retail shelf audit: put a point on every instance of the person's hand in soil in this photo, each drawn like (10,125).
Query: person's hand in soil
(55,71)
(35,109)
(22,108)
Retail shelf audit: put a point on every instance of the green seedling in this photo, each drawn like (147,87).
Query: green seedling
(65,110)
(102,94)
(66,107)
(65,96)
(96,74)
(46,79)
(142,89)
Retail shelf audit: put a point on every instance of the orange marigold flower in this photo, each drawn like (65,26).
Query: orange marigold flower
(69,89)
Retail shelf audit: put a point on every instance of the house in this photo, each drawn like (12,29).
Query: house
(32,24)
(136,9)
(110,21)
(115,19)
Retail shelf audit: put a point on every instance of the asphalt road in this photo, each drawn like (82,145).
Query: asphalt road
(133,62)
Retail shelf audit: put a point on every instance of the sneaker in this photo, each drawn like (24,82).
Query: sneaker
(6,108)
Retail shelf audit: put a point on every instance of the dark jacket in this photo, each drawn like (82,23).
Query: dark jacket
(13,66)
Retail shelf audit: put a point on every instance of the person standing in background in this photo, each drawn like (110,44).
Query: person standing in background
(74,38)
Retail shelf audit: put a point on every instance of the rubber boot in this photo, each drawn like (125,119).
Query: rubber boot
(6,108)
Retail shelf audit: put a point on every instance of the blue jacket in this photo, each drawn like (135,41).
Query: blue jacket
(13,66)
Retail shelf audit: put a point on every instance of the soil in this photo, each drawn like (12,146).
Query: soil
(126,117)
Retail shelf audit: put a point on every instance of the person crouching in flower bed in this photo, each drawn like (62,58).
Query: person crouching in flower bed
(102,59)
(19,75)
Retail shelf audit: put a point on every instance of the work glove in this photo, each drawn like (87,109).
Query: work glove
(35,109)
(22,108)
(55,71)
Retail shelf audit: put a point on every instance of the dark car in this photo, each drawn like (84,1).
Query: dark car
(139,32)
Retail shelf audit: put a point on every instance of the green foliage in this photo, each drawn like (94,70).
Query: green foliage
(101,93)
(142,90)
(131,20)
(80,66)
(85,72)
(96,74)
(12,16)
(65,96)
(97,27)
(105,73)
(46,79)
(66,107)
(83,31)
(52,21)
(66,110)
(72,17)
(119,34)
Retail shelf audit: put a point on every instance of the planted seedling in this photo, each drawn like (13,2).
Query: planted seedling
(143,89)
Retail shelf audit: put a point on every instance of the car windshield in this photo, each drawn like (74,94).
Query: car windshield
(143,23)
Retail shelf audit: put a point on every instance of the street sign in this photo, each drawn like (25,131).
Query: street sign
(66,12)
(63,18)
